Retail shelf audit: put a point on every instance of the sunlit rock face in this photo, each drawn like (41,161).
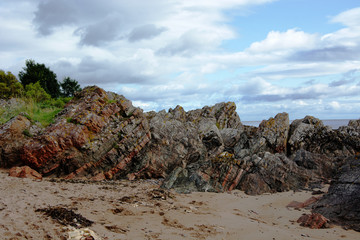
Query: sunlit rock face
(101,135)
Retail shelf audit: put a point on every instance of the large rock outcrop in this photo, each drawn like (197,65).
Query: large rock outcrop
(180,138)
(101,135)
(97,134)
(274,157)
(270,136)
(311,135)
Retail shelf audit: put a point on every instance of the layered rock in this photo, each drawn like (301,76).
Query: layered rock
(97,133)
(24,172)
(180,138)
(313,221)
(341,203)
(13,135)
(274,157)
(270,136)
(101,135)
(311,135)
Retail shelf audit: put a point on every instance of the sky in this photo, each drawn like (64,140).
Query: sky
(268,56)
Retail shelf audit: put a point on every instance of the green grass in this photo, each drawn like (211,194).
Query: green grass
(43,112)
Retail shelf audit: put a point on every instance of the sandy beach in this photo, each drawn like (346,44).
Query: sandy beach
(139,210)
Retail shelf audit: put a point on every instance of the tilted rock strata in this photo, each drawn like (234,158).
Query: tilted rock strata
(341,203)
(101,135)
(92,127)
(24,172)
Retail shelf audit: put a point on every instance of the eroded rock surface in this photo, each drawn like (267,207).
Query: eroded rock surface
(24,172)
(101,135)
(341,203)
(97,134)
(12,139)
(313,221)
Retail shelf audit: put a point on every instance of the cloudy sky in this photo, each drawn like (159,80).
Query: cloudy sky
(267,56)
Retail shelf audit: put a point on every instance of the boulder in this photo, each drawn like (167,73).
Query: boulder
(271,136)
(302,132)
(13,135)
(313,221)
(273,173)
(230,137)
(341,203)
(319,164)
(205,176)
(24,172)
(275,131)
(311,135)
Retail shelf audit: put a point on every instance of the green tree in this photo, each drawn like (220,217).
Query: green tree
(36,92)
(69,87)
(9,85)
(35,72)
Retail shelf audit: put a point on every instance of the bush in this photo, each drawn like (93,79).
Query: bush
(36,92)
(9,86)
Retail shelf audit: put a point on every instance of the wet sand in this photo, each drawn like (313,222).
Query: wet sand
(138,210)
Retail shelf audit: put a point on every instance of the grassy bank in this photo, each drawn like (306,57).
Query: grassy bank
(42,112)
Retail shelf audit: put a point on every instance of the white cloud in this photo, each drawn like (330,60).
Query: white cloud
(335,105)
(350,18)
(162,53)
(287,41)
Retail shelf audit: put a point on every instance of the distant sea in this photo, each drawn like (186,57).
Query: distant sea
(333,123)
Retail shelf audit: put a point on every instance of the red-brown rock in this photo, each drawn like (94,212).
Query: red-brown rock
(24,172)
(97,134)
(12,139)
(313,221)
(308,202)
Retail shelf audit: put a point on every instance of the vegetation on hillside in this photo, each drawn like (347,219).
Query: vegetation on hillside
(38,93)
(42,112)
(10,86)
(69,87)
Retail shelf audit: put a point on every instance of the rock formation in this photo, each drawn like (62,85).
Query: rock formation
(12,139)
(96,135)
(101,135)
(341,203)
(24,172)
(313,221)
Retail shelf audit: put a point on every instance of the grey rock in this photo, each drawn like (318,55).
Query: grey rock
(341,203)
(230,137)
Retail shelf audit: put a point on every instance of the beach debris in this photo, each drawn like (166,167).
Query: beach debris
(313,221)
(66,216)
(160,194)
(116,229)
(81,234)
(24,172)
(128,199)
(122,211)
